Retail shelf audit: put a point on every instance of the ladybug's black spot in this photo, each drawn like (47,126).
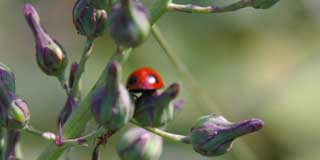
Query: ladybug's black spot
(133,80)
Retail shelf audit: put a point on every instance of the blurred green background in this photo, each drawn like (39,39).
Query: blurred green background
(250,63)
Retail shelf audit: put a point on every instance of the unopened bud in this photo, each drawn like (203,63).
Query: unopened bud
(7,78)
(129,23)
(264,4)
(157,110)
(213,135)
(139,144)
(111,104)
(17,114)
(89,21)
(73,72)
(51,57)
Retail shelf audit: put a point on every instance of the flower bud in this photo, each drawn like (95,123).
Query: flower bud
(139,144)
(73,72)
(17,114)
(129,23)
(111,104)
(7,78)
(264,4)
(89,21)
(157,110)
(13,137)
(213,135)
(51,57)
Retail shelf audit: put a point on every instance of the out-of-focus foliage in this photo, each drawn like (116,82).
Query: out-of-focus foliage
(250,63)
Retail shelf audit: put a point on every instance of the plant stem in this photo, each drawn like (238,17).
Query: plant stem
(63,83)
(85,56)
(2,142)
(192,8)
(164,134)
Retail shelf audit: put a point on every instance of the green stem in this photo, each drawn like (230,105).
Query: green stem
(164,134)
(63,83)
(84,58)
(192,8)
(2,142)
(158,8)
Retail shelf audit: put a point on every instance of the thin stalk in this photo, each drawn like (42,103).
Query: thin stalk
(2,136)
(85,56)
(63,83)
(192,8)
(164,134)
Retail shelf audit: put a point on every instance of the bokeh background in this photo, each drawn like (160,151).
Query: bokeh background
(250,63)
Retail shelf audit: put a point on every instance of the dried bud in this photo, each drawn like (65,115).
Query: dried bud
(17,114)
(156,110)
(129,23)
(139,144)
(264,4)
(102,4)
(213,135)
(51,57)
(111,104)
(89,21)
(7,78)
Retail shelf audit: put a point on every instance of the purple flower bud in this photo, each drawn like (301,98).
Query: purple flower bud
(68,108)
(14,113)
(156,110)
(213,135)
(111,104)
(129,23)
(51,57)
(7,78)
(89,21)
(139,144)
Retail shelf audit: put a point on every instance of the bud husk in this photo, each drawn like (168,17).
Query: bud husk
(111,104)
(139,144)
(51,57)
(89,21)
(213,135)
(156,110)
(7,78)
(129,23)
(264,4)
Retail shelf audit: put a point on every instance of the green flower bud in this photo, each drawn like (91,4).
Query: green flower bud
(213,135)
(7,78)
(102,4)
(111,104)
(264,4)
(139,144)
(129,23)
(89,21)
(51,57)
(17,114)
(156,110)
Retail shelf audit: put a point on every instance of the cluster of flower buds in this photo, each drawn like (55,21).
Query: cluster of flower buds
(111,104)
(213,135)
(139,144)
(89,21)
(153,109)
(129,23)
(263,4)
(14,111)
(51,57)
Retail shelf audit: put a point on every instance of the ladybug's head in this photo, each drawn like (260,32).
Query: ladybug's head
(144,79)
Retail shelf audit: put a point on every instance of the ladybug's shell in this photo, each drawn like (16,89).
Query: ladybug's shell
(144,79)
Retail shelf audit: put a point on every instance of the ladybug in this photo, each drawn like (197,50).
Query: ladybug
(144,79)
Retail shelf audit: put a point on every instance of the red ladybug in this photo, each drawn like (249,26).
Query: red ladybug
(144,79)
